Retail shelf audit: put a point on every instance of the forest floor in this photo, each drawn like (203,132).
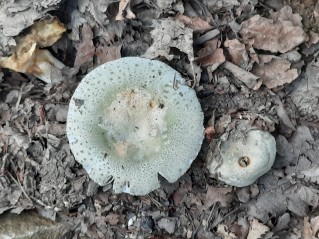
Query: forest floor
(246,59)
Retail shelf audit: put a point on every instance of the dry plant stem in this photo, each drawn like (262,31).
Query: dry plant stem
(4,160)
(157,203)
(210,215)
(246,77)
(194,76)
(227,215)
(197,228)
(19,97)
(40,203)
(20,186)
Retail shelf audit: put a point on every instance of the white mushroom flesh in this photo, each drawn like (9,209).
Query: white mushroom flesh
(244,161)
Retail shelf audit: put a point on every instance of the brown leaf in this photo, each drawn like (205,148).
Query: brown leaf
(124,5)
(237,52)
(313,38)
(275,36)
(27,58)
(86,49)
(222,195)
(40,63)
(274,71)
(209,47)
(285,14)
(213,59)
(314,225)
(307,230)
(46,32)
(112,218)
(107,53)
(210,129)
(195,23)
(256,230)
(179,195)
(209,133)
(316,11)
(224,231)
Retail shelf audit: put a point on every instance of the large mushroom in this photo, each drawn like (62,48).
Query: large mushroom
(132,119)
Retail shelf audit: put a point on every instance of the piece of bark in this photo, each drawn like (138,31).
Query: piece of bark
(244,76)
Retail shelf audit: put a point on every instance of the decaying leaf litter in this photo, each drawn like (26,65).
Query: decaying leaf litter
(247,60)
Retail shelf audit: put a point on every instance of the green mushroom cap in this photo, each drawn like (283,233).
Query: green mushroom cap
(132,119)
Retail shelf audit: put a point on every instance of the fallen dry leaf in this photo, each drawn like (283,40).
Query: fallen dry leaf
(168,33)
(124,5)
(225,232)
(179,195)
(275,36)
(44,32)
(214,59)
(16,16)
(168,224)
(281,111)
(195,23)
(315,225)
(316,11)
(307,230)
(285,14)
(237,52)
(40,63)
(209,133)
(313,38)
(305,94)
(86,49)
(257,229)
(27,58)
(210,129)
(107,53)
(209,47)
(274,71)
(112,218)
(222,195)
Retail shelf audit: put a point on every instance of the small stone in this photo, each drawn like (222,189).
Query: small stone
(12,97)
(61,113)
(131,220)
(167,224)
(147,224)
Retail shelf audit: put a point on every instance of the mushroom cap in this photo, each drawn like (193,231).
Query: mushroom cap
(244,161)
(132,119)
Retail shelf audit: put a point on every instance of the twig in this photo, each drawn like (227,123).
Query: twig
(4,160)
(20,186)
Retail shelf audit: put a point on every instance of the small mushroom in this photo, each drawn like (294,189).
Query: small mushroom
(241,161)
(132,119)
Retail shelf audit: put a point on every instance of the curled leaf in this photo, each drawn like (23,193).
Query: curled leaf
(28,58)
(195,23)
